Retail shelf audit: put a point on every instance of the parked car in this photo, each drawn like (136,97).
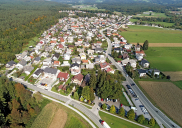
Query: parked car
(133,84)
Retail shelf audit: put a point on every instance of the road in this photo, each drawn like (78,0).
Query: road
(155,112)
(65,99)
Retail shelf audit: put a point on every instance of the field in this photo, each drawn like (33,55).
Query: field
(162,23)
(178,84)
(167,96)
(165,59)
(154,15)
(175,76)
(163,44)
(55,115)
(138,34)
(115,122)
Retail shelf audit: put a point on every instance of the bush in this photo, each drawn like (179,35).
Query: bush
(140,119)
(104,106)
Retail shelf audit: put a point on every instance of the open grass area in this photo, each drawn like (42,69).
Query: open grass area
(154,15)
(162,23)
(138,34)
(123,100)
(115,122)
(175,76)
(32,42)
(57,115)
(167,96)
(165,59)
(178,84)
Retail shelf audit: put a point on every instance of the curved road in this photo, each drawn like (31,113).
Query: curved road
(155,112)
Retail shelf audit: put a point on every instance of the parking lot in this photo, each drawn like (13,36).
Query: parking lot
(45,80)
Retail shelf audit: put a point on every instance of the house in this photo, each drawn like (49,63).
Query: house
(131,62)
(127,46)
(36,60)
(53,42)
(140,52)
(76,60)
(21,64)
(102,58)
(82,66)
(75,69)
(144,63)
(83,56)
(139,57)
(98,50)
(50,72)
(117,50)
(90,66)
(68,51)
(85,61)
(80,41)
(110,70)
(97,59)
(80,50)
(28,69)
(78,44)
(70,39)
(60,46)
(10,64)
(137,47)
(155,71)
(37,73)
(63,76)
(56,56)
(90,52)
(104,65)
(65,63)
(142,72)
(21,56)
(47,62)
(125,56)
(71,46)
(86,44)
(56,63)
(77,79)
(67,56)
(60,87)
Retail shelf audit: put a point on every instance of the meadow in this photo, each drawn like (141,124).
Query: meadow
(165,59)
(178,84)
(167,96)
(162,23)
(138,34)
(154,15)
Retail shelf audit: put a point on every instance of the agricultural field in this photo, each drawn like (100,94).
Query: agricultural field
(167,96)
(138,34)
(165,59)
(55,115)
(163,44)
(162,23)
(115,122)
(178,84)
(175,76)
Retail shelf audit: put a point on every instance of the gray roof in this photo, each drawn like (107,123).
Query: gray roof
(38,71)
(11,63)
(28,68)
(50,70)
(144,61)
(75,64)
(98,49)
(37,58)
(57,55)
(23,62)
(142,70)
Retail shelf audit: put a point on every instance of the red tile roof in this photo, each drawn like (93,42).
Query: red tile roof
(60,86)
(53,41)
(103,65)
(41,42)
(56,62)
(140,52)
(63,75)
(60,46)
(78,77)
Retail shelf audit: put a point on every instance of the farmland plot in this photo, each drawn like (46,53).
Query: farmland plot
(167,96)
(175,76)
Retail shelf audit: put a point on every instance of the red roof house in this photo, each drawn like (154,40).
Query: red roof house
(63,76)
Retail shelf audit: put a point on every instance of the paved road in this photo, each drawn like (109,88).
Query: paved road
(156,113)
(65,99)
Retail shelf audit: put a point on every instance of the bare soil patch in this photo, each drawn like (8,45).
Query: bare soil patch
(59,119)
(163,44)
(123,30)
(175,76)
(167,96)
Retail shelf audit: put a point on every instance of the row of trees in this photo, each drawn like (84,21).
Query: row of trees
(17,105)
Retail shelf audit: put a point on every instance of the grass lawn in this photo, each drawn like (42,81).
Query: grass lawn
(165,59)
(123,100)
(32,42)
(178,84)
(138,34)
(162,23)
(115,122)
(154,15)
(75,123)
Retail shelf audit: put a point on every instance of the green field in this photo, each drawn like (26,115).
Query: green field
(162,23)
(115,122)
(138,34)
(154,15)
(178,83)
(165,59)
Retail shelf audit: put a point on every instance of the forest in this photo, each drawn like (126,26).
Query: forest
(18,108)
(20,21)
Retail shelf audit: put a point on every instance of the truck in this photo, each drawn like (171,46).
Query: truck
(104,124)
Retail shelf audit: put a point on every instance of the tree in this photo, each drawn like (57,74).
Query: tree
(92,97)
(131,114)
(93,80)
(146,122)
(140,119)
(76,96)
(104,106)
(38,97)
(86,93)
(145,45)
(168,77)
(152,122)
(112,109)
(81,98)
(121,111)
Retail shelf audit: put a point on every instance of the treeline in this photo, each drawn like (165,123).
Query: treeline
(20,21)
(89,15)
(18,107)
(107,85)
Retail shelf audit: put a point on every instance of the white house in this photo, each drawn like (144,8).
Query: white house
(75,69)
(67,56)
(37,73)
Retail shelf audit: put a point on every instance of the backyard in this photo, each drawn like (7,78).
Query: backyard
(138,34)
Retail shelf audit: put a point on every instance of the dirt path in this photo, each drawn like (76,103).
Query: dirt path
(163,44)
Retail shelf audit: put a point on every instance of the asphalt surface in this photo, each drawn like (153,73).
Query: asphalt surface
(155,112)
(80,107)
